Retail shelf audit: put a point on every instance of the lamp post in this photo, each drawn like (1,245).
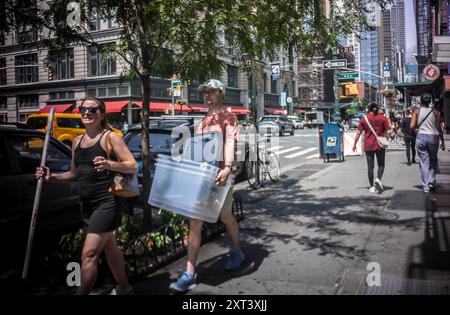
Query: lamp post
(250,64)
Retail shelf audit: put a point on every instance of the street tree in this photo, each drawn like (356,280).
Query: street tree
(186,37)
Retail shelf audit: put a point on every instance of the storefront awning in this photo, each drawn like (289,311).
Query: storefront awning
(115,106)
(162,107)
(274,111)
(60,108)
(237,109)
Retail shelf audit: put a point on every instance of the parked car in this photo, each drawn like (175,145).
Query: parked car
(66,126)
(275,125)
(297,121)
(59,207)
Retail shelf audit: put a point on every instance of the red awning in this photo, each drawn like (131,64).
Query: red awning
(299,111)
(115,106)
(199,108)
(162,107)
(238,109)
(60,108)
(274,111)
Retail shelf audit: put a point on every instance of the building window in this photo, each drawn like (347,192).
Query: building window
(3,118)
(62,64)
(62,95)
(102,60)
(3,102)
(26,68)
(28,101)
(2,71)
(2,38)
(273,86)
(98,23)
(232,76)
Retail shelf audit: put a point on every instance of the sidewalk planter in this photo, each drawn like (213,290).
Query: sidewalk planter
(188,188)
(333,141)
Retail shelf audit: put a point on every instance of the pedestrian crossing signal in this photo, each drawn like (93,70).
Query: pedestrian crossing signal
(51,73)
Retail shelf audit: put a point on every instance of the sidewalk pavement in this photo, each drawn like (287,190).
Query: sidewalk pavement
(316,230)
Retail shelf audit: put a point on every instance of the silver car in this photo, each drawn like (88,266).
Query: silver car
(275,125)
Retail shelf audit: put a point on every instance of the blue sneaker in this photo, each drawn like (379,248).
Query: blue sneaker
(185,282)
(234,260)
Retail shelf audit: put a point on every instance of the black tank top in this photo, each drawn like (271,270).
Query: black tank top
(94,185)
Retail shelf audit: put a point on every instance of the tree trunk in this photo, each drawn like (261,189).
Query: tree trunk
(146,184)
(143,35)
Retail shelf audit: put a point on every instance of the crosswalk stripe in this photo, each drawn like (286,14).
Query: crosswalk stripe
(300,153)
(287,150)
(314,156)
(274,149)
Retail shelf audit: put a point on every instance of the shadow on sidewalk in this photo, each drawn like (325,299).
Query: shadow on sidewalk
(431,259)
(212,271)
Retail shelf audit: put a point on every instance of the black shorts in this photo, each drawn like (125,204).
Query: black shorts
(102,215)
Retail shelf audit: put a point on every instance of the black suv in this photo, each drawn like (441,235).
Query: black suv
(59,208)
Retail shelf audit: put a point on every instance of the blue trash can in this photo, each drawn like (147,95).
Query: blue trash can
(333,141)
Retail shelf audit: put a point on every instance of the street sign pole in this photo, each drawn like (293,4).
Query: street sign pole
(337,110)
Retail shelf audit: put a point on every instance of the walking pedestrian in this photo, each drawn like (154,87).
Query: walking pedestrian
(217,120)
(427,122)
(381,127)
(95,174)
(409,136)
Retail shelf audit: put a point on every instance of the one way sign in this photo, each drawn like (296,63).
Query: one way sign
(332,64)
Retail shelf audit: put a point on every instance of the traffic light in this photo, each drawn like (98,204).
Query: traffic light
(315,73)
(51,72)
(351,89)
(169,91)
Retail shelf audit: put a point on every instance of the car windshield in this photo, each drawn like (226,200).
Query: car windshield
(37,122)
(269,118)
(158,141)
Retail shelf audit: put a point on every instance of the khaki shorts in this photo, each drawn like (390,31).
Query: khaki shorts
(227,204)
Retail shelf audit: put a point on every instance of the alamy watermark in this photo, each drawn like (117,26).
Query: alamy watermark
(74,277)
(373,279)
(74,14)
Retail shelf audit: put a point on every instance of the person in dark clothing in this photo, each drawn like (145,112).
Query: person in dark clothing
(95,174)
(409,136)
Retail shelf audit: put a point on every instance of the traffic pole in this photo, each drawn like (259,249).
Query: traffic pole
(37,198)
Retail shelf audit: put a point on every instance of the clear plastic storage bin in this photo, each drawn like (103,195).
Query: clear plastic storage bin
(188,188)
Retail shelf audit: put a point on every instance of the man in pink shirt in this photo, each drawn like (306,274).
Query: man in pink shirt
(219,120)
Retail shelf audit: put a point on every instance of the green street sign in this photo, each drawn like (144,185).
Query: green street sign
(348,76)
(176,83)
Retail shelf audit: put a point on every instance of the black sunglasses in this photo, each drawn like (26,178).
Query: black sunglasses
(90,110)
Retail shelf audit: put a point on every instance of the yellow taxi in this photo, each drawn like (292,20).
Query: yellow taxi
(66,126)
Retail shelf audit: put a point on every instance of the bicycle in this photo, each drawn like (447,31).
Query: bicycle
(267,164)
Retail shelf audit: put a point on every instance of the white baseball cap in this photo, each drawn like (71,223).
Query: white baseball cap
(212,84)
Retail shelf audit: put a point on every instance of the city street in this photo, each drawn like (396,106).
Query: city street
(296,149)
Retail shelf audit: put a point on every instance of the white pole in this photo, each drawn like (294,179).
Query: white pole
(37,198)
